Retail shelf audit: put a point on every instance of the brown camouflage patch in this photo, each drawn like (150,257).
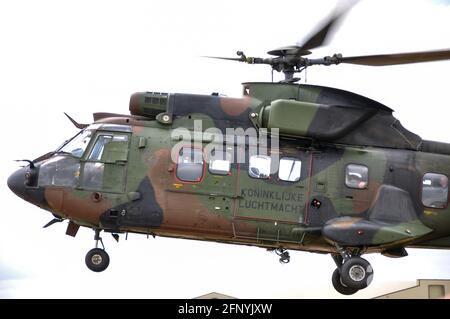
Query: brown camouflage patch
(235,106)
(362,199)
(83,209)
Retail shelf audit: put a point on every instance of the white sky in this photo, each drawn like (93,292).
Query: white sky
(89,56)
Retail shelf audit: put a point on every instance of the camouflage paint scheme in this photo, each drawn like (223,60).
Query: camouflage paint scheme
(323,127)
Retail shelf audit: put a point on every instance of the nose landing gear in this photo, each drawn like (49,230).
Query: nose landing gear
(97,259)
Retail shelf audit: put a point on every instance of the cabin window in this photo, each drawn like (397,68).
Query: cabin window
(435,190)
(290,169)
(356,176)
(220,163)
(190,165)
(259,166)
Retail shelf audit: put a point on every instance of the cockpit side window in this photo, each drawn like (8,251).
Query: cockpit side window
(104,167)
(97,150)
(110,148)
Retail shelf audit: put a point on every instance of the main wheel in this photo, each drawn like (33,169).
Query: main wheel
(339,286)
(357,273)
(97,259)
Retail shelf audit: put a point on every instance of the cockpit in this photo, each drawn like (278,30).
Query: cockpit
(94,159)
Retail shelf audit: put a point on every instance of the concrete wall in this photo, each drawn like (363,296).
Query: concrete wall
(425,289)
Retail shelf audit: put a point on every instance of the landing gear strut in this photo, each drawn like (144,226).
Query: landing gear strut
(352,273)
(97,259)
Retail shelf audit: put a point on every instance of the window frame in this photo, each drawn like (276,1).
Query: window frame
(357,188)
(421,191)
(175,171)
(290,158)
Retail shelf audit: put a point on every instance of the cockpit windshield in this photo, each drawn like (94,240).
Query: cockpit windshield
(77,145)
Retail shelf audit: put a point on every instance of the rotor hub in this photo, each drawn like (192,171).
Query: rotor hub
(289,51)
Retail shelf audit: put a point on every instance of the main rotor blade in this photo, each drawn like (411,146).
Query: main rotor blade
(249,60)
(224,58)
(323,34)
(398,58)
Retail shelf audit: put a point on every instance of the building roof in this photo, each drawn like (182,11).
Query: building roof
(215,295)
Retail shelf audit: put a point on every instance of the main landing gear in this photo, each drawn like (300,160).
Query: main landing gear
(353,273)
(97,259)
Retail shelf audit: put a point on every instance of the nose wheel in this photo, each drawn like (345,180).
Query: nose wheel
(97,259)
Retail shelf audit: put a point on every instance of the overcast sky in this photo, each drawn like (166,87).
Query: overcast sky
(82,57)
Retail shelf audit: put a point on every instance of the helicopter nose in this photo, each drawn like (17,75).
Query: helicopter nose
(16,182)
(33,194)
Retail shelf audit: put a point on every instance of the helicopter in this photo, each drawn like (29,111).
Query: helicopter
(346,178)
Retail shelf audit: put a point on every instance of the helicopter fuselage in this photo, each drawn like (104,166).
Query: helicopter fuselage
(317,194)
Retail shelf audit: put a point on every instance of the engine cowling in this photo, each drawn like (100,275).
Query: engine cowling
(148,104)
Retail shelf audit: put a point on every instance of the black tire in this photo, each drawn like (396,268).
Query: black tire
(357,273)
(97,260)
(339,286)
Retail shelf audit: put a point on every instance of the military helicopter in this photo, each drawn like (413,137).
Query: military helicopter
(286,167)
